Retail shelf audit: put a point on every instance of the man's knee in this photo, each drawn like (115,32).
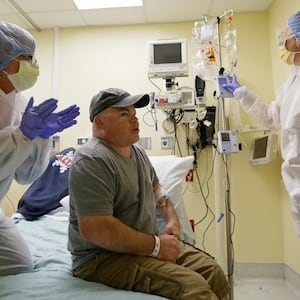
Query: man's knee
(158,283)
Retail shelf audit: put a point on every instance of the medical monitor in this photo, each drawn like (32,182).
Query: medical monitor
(168,58)
(264,149)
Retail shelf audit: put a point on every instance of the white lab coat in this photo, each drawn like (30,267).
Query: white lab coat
(24,161)
(282,113)
(20,158)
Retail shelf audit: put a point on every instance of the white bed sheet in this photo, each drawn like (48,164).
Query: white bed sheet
(52,277)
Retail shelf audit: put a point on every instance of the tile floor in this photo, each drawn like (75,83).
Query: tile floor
(264,289)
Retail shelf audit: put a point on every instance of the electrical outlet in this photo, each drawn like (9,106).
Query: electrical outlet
(167,142)
(81,141)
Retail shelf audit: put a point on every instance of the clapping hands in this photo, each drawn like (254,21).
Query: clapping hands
(40,120)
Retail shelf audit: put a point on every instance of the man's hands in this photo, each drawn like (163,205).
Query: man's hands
(169,247)
(170,242)
(173,228)
(170,238)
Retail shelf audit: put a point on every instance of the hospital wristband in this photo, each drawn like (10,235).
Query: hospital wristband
(156,247)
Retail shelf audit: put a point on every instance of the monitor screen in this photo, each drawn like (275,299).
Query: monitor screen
(264,149)
(167,53)
(225,137)
(260,147)
(168,58)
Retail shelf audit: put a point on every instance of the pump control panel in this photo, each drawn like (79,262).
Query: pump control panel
(228,142)
(221,92)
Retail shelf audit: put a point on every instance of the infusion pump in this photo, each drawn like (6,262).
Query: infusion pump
(227,141)
(174,99)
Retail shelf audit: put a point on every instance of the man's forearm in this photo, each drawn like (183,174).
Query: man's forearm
(110,233)
(168,213)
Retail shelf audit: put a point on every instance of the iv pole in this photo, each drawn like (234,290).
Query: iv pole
(227,186)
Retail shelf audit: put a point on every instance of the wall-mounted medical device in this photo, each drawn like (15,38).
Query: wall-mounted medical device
(168,58)
(183,98)
(228,142)
(264,149)
(199,90)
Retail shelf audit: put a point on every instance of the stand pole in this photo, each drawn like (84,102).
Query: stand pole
(227,213)
(227,190)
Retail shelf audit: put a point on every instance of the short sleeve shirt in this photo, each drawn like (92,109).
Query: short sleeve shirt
(103,182)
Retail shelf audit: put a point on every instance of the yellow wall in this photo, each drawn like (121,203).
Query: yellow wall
(255,189)
(90,59)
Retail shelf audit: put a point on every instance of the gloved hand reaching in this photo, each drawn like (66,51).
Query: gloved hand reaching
(36,117)
(231,87)
(57,122)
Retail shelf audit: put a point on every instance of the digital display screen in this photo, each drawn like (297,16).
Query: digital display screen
(222,80)
(225,136)
(260,148)
(167,53)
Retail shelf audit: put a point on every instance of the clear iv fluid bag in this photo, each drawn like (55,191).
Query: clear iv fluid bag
(205,46)
(230,44)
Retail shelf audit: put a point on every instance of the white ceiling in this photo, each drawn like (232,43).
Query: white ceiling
(42,14)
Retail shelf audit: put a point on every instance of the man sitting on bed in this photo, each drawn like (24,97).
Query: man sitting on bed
(114,197)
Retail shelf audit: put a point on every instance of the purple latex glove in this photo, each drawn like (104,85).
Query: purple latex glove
(60,121)
(231,87)
(36,117)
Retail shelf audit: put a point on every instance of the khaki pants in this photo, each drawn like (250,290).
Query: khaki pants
(195,275)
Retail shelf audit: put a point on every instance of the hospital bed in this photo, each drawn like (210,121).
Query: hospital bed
(46,234)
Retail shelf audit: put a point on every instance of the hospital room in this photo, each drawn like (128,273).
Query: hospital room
(198,62)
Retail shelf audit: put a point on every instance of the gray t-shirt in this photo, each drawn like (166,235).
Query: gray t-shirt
(103,182)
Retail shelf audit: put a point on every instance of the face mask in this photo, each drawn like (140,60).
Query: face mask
(26,77)
(287,56)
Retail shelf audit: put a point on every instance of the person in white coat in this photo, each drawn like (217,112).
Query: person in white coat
(25,132)
(283,113)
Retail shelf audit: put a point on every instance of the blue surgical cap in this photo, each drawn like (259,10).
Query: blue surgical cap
(14,41)
(294,24)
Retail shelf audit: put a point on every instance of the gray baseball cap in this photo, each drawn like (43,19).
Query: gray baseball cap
(113,97)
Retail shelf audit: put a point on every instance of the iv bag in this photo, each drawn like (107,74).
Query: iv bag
(205,45)
(230,44)
(204,31)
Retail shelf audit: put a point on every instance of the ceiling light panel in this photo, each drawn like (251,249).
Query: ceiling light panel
(98,4)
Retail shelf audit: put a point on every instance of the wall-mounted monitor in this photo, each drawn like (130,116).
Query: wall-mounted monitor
(264,149)
(168,58)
